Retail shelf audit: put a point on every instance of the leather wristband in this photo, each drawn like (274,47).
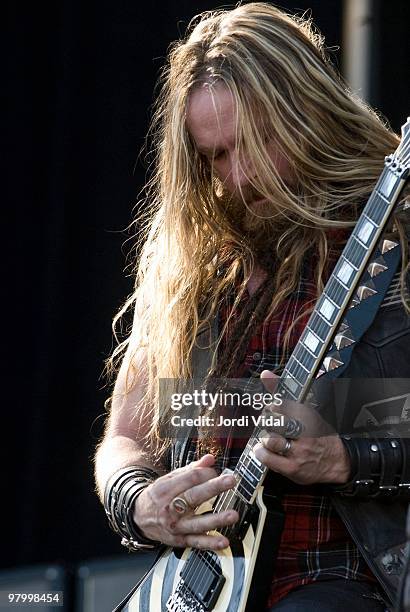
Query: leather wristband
(121,491)
(404,481)
(111,492)
(134,538)
(353,456)
(131,484)
(379,467)
(363,482)
(391,462)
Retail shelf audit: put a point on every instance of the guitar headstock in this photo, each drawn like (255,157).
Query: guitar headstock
(399,161)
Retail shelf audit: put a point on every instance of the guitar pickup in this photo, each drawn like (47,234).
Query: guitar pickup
(206,590)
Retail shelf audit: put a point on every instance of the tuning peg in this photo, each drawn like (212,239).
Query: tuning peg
(333,361)
(344,339)
(366,290)
(320,372)
(387,245)
(376,267)
(354,302)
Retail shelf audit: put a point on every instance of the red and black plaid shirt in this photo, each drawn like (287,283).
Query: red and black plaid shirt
(315,544)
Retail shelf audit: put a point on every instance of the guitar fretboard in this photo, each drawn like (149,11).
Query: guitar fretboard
(324,322)
(316,338)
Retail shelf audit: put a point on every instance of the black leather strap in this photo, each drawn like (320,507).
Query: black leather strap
(391,462)
(380,467)
(112,488)
(363,482)
(404,478)
(120,494)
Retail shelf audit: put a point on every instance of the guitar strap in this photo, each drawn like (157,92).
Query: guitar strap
(365,305)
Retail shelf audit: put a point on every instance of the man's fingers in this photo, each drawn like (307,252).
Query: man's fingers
(269,380)
(275,462)
(274,442)
(206,542)
(167,488)
(201,493)
(201,523)
(205,461)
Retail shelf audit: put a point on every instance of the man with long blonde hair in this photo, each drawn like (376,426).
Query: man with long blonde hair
(263,162)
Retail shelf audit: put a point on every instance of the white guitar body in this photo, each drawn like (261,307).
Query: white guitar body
(154,593)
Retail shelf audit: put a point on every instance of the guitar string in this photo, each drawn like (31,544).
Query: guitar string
(196,580)
(224,500)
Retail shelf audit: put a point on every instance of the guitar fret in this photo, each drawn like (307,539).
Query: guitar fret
(288,374)
(291,383)
(370,220)
(318,325)
(304,355)
(388,183)
(301,364)
(309,351)
(335,292)
(330,299)
(243,494)
(312,341)
(247,474)
(297,372)
(253,469)
(359,241)
(340,282)
(349,262)
(247,489)
(323,318)
(290,389)
(357,253)
(376,208)
(380,195)
(252,442)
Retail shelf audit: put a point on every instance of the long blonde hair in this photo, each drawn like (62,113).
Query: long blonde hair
(190,254)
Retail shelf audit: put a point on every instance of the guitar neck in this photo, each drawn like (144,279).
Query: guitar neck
(328,312)
(326,321)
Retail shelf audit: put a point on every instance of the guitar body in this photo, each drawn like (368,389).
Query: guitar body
(235,566)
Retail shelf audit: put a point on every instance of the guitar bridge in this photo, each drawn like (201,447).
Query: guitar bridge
(201,581)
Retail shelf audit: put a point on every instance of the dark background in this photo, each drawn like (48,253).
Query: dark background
(80,78)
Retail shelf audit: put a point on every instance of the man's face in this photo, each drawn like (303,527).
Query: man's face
(212,126)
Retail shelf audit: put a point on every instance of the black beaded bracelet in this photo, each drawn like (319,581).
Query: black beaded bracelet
(121,491)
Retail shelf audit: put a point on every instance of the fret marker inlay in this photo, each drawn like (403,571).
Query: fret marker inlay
(292,385)
(311,341)
(345,272)
(365,231)
(327,309)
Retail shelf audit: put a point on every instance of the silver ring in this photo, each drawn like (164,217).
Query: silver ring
(293,429)
(286,449)
(180,504)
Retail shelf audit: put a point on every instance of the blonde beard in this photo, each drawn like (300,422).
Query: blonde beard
(257,224)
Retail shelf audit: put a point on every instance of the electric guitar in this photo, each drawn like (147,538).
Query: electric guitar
(185,580)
